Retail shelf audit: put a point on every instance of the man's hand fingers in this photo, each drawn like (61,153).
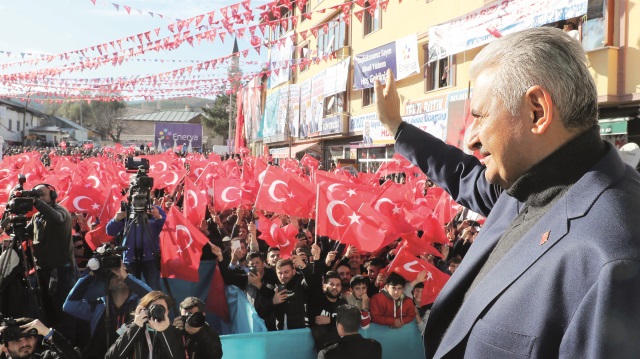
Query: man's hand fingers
(390,83)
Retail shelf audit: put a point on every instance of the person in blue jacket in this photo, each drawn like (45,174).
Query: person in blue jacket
(87,301)
(143,244)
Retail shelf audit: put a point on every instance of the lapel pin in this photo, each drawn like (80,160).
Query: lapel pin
(544,237)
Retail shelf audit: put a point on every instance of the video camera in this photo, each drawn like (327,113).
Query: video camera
(141,184)
(106,258)
(21,201)
(13,332)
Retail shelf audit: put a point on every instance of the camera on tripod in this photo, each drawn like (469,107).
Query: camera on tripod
(141,184)
(13,332)
(106,258)
(21,201)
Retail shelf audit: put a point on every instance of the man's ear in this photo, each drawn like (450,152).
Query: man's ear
(539,105)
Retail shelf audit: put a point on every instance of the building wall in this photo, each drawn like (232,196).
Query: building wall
(614,68)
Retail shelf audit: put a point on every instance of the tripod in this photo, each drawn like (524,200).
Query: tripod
(18,223)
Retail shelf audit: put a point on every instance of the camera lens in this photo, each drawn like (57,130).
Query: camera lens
(196,320)
(157,312)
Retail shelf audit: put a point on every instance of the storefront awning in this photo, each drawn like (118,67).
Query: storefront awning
(613,126)
(283,152)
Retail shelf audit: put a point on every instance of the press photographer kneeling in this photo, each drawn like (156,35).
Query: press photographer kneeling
(201,341)
(20,338)
(90,298)
(151,331)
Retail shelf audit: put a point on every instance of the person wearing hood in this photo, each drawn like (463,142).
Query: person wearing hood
(391,307)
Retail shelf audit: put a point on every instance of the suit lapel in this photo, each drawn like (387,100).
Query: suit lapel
(450,298)
(539,240)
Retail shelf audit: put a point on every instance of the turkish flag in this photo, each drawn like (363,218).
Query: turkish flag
(83,199)
(446,208)
(433,230)
(181,246)
(161,163)
(408,266)
(341,188)
(99,235)
(206,176)
(418,246)
(168,180)
(398,164)
(194,204)
(310,161)
(227,194)
(350,222)
(285,193)
(275,235)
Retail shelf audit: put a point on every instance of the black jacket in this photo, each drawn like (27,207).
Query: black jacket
(352,347)
(133,344)
(295,307)
(204,344)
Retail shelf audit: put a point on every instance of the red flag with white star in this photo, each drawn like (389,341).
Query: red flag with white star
(181,246)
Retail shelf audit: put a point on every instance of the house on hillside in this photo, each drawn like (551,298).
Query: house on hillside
(16,121)
(55,129)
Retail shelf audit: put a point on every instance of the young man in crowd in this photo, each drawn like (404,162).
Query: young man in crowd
(358,297)
(322,309)
(390,307)
(292,295)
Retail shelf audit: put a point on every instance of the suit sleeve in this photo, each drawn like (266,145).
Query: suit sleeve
(461,175)
(605,325)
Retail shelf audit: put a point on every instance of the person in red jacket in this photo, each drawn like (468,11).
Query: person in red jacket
(390,307)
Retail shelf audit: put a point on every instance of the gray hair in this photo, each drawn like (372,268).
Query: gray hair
(546,57)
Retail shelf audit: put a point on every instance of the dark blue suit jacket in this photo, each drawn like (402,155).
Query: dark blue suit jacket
(577,295)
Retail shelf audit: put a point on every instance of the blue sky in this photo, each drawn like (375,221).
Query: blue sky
(59,26)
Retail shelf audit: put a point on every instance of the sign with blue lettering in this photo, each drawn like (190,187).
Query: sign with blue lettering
(400,56)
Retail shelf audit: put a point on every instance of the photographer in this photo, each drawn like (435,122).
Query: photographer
(87,302)
(20,341)
(201,341)
(142,255)
(151,334)
(53,253)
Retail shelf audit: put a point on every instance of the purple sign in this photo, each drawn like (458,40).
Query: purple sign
(168,135)
(372,65)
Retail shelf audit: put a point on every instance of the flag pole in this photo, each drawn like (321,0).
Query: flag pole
(315,231)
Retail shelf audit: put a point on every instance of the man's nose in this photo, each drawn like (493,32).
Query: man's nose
(471,138)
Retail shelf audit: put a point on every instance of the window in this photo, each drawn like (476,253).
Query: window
(10,125)
(305,53)
(437,74)
(368,97)
(305,10)
(18,125)
(334,104)
(371,23)
(335,38)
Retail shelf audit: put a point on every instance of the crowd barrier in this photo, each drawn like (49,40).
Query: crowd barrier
(405,343)
(245,335)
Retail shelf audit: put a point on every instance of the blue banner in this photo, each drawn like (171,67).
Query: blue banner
(372,65)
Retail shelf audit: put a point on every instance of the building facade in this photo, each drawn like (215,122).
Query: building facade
(319,95)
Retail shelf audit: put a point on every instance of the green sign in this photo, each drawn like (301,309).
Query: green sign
(618,127)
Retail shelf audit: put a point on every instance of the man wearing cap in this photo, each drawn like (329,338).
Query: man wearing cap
(555,271)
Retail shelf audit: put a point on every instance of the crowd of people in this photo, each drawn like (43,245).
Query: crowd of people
(102,312)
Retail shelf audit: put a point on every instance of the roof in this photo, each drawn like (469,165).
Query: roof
(164,116)
(71,123)
(21,105)
(46,129)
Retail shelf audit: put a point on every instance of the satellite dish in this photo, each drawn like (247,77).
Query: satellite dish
(630,154)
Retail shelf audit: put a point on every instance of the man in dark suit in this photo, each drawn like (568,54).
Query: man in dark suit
(555,271)
(351,345)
